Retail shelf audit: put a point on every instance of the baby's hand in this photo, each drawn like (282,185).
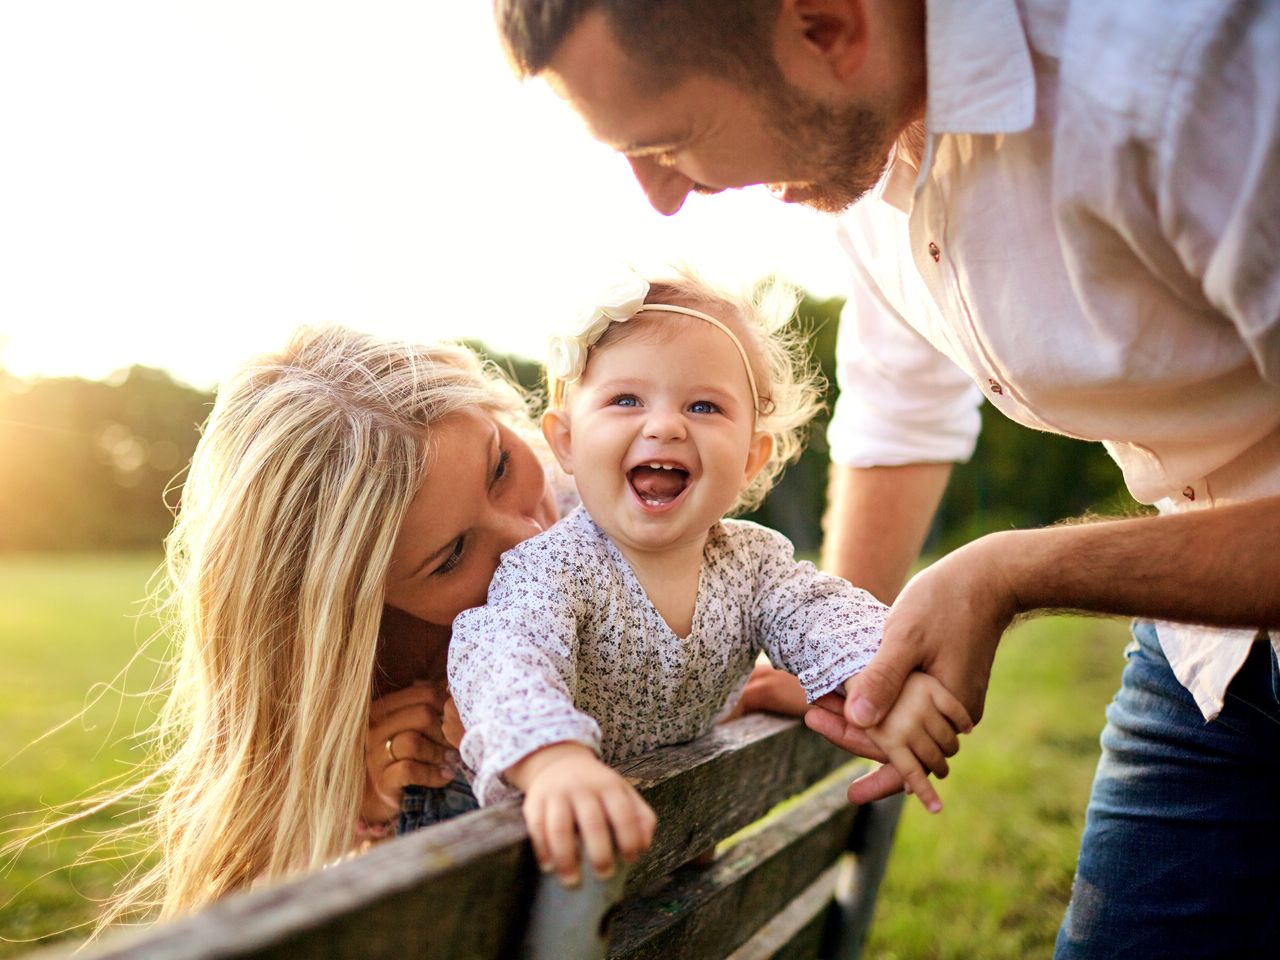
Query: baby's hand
(919,733)
(569,793)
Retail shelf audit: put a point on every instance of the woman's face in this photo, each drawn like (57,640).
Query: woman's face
(483,491)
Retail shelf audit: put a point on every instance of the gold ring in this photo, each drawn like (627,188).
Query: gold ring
(391,752)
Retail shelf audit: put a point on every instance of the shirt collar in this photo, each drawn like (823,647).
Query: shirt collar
(980,74)
(980,80)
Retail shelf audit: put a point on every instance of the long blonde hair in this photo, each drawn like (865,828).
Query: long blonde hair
(276,569)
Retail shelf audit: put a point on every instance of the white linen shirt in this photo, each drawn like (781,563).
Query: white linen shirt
(1093,238)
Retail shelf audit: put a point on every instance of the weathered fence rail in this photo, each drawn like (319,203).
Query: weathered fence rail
(799,883)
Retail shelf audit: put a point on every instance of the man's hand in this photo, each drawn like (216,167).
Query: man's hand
(827,718)
(947,623)
(570,793)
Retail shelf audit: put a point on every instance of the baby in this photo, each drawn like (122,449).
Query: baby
(634,622)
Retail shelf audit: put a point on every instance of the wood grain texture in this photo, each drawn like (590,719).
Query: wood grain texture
(797,931)
(422,895)
(710,911)
(709,789)
(462,889)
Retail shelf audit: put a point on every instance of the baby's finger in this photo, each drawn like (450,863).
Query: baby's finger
(942,733)
(562,841)
(593,829)
(951,708)
(535,819)
(905,762)
(927,753)
(632,820)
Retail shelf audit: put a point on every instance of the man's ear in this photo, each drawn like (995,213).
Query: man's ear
(757,456)
(820,43)
(555,427)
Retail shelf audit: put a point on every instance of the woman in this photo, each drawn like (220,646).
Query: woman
(348,498)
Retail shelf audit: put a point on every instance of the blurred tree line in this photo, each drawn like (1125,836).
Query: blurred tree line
(85,465)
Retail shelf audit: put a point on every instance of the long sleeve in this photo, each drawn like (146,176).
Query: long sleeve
(1219,205)
(819,627)
(513,671)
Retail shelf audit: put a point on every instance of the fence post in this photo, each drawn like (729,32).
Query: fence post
(860,876)
(570,924)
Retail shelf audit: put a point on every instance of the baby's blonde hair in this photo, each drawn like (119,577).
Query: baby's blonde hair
(276,578)
(790,387)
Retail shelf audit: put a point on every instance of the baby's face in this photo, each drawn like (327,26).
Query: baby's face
(660,432)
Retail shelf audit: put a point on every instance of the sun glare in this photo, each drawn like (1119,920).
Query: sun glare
(193,181)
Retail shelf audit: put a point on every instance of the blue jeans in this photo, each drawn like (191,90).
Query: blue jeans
(422,806)
(1181,849)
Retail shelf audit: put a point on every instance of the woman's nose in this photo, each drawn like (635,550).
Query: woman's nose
(665,188)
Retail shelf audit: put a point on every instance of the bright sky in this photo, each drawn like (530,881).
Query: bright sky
(184,182)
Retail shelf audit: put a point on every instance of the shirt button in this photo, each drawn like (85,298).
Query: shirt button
(995,387)
(1189,492)
(934,251)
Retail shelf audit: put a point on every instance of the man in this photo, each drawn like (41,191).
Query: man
(1076,207)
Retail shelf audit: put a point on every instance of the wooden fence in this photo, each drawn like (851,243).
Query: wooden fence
(801,882)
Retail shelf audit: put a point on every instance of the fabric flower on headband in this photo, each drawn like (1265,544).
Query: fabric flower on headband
(567,352)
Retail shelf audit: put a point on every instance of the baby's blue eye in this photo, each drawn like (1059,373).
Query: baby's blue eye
(625,400)
(703,406)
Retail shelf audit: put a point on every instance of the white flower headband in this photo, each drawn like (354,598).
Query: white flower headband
(622,301)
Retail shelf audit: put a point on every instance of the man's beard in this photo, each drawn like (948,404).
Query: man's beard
(841,151)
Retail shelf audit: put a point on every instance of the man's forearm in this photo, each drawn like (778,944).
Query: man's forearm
(1218,566)
(876,522)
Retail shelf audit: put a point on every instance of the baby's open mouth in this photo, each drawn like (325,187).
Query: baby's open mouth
(657,484)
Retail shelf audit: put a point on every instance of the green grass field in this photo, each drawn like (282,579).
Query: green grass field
(68,625)
(988,878)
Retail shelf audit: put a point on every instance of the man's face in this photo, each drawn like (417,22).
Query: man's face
(706,134)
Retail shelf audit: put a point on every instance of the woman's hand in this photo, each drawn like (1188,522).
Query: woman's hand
(770,690)
(571,794)
(405,745)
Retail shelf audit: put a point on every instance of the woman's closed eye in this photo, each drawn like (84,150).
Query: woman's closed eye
(454,557)
(459,546)
(504,458)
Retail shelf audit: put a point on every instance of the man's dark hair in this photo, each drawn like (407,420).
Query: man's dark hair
(666,39)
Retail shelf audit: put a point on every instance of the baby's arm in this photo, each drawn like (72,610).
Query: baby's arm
(570,793)
(920,732)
